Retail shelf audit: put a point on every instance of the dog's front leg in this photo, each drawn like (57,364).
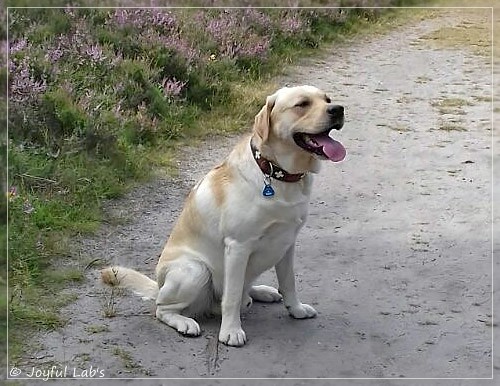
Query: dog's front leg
(286,281)
(235,265)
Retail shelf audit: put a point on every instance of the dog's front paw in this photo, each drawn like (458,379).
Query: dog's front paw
(232,336)
(302,311)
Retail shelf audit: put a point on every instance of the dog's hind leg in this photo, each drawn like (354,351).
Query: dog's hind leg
(185,283)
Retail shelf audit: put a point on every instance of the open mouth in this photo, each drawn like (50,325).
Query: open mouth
(321,144)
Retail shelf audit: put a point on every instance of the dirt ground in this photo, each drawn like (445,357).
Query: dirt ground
(396,255)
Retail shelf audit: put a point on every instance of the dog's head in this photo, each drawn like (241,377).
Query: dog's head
(294,126)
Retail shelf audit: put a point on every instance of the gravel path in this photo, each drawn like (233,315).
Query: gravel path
(396,255)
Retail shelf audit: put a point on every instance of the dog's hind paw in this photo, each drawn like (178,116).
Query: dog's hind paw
(189,327)
(184,325)
(302,311)
(265,294)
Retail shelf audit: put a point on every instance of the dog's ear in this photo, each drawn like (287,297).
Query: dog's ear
(262,123)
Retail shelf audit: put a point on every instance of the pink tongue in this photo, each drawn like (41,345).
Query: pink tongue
(332,149)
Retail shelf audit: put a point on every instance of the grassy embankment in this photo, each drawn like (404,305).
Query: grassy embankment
(99,101)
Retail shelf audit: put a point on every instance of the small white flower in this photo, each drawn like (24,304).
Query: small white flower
(279,174)
(257,154)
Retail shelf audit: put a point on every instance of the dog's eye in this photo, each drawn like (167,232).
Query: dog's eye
(328,100)
(303,103)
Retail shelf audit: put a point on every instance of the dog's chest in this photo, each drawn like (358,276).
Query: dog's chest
(278,236)
(278,231)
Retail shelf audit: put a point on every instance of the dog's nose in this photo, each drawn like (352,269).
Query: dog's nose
(335,111)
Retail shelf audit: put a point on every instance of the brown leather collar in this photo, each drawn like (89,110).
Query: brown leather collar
(272,170)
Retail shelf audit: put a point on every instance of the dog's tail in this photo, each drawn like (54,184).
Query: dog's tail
(128,278)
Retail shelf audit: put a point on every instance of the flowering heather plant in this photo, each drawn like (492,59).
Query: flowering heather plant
(176,43)
(54,54)
(255,47)
(94,54)
(172,87)
(160,20)
(163,20)
(258,20)
(224,28)
(231,31)
(24,89)
(11,66)
(120,17)
(127,17)
(291,24)
(18,46)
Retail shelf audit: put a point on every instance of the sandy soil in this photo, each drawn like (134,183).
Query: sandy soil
(396,255)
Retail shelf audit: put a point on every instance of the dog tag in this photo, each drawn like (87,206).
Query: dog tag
(268,191)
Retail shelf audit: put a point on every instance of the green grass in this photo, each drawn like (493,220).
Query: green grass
(482,98)
(400,128)
(474,36)
(128,362)
(3,292)
(65,160)
(451,105)
(452,102)
(96,329)
(450,126)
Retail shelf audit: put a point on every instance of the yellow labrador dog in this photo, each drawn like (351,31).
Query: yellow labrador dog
(243,218)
